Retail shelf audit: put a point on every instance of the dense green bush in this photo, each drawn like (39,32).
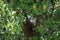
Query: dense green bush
(12,19)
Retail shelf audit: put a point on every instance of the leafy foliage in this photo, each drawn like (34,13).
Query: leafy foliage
(12,19)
